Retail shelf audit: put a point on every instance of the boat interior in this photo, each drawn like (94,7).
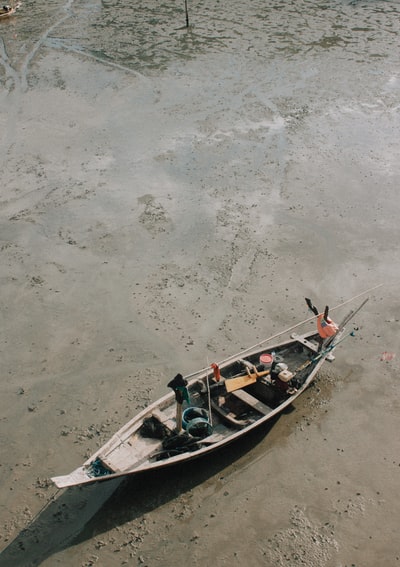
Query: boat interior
(214,413)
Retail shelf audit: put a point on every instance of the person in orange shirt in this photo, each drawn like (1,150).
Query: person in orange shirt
(326,327)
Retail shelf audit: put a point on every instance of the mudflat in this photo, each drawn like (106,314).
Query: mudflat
(168,197)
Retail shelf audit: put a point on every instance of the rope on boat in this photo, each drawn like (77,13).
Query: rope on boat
(233,356)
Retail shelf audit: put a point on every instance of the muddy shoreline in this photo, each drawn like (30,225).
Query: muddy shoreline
(172,199)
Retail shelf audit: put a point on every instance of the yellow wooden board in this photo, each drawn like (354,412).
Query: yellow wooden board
(232,384)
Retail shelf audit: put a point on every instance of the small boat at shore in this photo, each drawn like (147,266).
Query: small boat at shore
(6,11)
(212,408)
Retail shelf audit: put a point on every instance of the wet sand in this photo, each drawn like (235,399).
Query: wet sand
(170,197)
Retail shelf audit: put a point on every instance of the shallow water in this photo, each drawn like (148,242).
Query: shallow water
(152,36)
(147,37)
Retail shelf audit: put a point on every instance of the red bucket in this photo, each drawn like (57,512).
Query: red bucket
(267,360)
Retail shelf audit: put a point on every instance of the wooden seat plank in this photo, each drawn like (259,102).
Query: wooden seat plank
(252,401)
(312,345)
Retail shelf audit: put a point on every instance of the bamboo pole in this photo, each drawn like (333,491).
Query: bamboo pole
(301,323)
(209,393)
(288,330)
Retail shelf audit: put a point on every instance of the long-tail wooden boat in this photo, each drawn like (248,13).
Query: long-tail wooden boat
(225,402)
(6,11)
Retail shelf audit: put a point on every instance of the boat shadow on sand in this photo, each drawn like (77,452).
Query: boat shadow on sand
(81,513)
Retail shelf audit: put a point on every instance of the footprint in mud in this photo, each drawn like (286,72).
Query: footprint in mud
(36,280)
(25,215)
(59,267)
(66,236)
(154,217)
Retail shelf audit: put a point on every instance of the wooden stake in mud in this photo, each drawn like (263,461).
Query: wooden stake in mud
(187,14)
